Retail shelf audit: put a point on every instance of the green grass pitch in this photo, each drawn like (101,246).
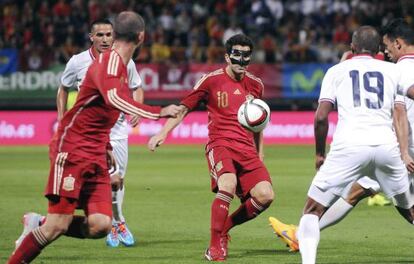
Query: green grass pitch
(168,208)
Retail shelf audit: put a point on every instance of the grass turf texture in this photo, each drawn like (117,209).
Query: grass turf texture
(167,207)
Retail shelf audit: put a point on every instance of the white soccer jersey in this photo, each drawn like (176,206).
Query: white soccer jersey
(364,89)
(75,71)
(406,65)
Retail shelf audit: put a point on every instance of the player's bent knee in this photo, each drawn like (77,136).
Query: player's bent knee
(99,225)
(58,230)
(227,182)
(56,225)
(228,187)
(53,230)
(99,230)
(263,192)
(265,196)
(357,193)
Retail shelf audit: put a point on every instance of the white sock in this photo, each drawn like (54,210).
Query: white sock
(335,213)
(117,200)
(308,236)
(120,200)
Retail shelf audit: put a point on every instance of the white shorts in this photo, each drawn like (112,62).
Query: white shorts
(344,166)
(369,184)
(366,183)
(120,151)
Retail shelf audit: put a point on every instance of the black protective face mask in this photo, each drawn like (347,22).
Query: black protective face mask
(240,57)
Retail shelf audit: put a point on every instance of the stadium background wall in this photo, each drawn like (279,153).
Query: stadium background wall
(37,127)
(284,84)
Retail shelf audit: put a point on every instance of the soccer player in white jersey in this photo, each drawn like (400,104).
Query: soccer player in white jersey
(399,46)
(101,38)
(364,143)
(399,42)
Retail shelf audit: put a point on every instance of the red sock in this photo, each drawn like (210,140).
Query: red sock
(219,213)
(77,227)
(30,248)
(247,211)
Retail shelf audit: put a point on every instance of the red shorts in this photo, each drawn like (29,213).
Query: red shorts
(53,148)
(247,166)
(81,180)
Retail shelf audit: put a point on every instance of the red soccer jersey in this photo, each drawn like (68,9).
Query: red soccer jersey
(223,97)
(84,130)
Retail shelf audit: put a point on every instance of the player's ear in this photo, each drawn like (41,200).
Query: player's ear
(90,37)
(227,58)
(397,43)
(352,47)
(141,36)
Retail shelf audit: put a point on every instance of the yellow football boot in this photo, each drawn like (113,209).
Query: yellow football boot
(286,232)
(379,200)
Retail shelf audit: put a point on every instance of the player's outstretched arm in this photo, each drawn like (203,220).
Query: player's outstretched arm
(321,131)
(171,123)
(401,129)
(119,99)
(138,96)
(61,101)
(170,111)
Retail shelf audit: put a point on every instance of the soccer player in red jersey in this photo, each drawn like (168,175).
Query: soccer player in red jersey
(79,171)
(234,155)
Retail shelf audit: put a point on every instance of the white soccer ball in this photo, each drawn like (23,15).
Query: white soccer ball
(254,115)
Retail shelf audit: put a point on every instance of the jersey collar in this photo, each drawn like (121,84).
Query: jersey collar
(362,56)
(231,78)
(406,56)
(93,53)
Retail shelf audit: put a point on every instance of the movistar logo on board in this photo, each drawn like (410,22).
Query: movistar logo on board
(300,82)
(303,80)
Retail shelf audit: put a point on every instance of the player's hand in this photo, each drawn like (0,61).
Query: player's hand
(116,182)
(155,141)
(135,120)
(110,159)
(170,111)
(261,156)
(319,160)
(409,163)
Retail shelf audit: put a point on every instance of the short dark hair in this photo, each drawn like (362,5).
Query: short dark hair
(398,28)
(366,39)
(127,25)
(99,22)
(238,39)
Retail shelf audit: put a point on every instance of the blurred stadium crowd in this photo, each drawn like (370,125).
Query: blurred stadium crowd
(50,32)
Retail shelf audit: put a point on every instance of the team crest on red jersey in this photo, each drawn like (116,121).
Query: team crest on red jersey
(69,183)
